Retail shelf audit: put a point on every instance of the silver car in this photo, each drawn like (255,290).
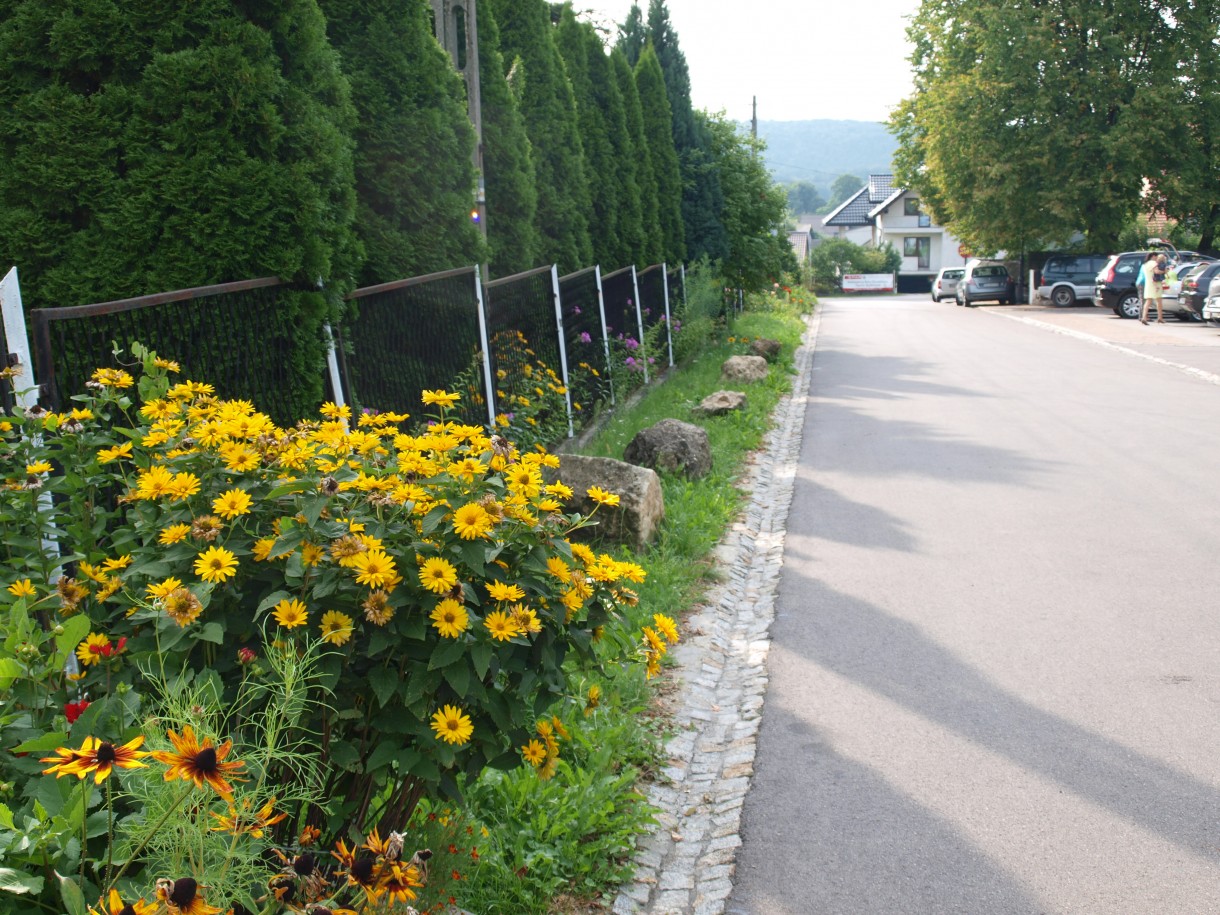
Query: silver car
(945,284)
(1211,307)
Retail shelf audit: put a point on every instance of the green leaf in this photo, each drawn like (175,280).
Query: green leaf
(382,754)
(12,881)
(480,657)
(74,899)
(447,653)
(211,632)
(294,486)
(474,555)
(6,817)
(43,744)
(384,683)
(344,755)
(270,601)
(10,670)
(75,629)
(458,676)
(313,509)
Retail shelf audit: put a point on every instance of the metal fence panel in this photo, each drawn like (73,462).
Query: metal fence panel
(411,335)
(584,331)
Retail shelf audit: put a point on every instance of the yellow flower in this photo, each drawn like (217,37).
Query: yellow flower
(290,613)
(559,490)
(337,627)
(374,568)
(452,725)
(232,503)
(262,548)
(450,618)
(38,467)
(437,575)
(534,753)
(119,562)
(333,411)
(22,588)
(216,564)
(440,398)
(593,699)
(601,497)
(93,648)
(173,534)
(246,822)
(559,568)
(501,626)
(500,591)
(472,521)
(113,378)
(168,364)
(181,606)
(666,627)
(106,455)
(184,486)
(97,757)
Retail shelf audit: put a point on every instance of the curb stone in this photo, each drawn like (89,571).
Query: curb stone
(687,866)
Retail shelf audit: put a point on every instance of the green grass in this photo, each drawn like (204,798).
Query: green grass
(573,836)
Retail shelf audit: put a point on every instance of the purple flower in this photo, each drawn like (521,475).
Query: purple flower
(584,337)
(632,343)
(576,309)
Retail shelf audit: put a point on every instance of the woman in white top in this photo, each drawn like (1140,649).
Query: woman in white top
(1152,274)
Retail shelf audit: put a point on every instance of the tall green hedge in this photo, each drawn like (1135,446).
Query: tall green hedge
(623,159)
(648,248)
(664,160)
(550,120)
(508,164)
(148,147)
(415,177)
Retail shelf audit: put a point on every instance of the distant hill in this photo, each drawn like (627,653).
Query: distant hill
(820,151)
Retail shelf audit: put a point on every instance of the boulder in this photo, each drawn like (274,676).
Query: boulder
(768,349)
(744,368)
(673,446)
(721,402)
(637,517)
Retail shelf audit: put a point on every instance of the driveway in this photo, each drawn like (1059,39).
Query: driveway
(995,668)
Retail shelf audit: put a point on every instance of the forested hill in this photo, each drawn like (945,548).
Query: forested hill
(820,151)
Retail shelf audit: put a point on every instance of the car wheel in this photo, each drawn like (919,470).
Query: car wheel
(1063,296)
(936,298)
(1128,306)
(1189,316)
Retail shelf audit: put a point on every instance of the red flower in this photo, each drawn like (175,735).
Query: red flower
(246,656)
(73,710)
(110,649)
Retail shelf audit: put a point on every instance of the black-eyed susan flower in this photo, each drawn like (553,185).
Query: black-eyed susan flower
(22,588)
(96,757)
(216,564)
(309,835)
(360,870)
(112,378)
(472,521)
(666,627)
(290,613)
(502,592)
(232,504)
(247,822)
(440,398)
(182,606)
(174,533)
(601,497)
(400,881)
(206,528)
(118,452)
(182,897)
(452,725)
(374,568)
(437,575)
(200,762)
(377,609)
(449,618)
(116,906)
(534,753)
(337,628)
(501,626)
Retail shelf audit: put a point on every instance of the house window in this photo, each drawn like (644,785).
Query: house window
(918,247)
(925,222)
(910,206)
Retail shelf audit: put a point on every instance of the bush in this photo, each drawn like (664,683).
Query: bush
(837,256)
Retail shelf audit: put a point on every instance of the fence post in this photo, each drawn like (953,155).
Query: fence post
(639,319)
(669,330)
(17,341)
(601,307)
(332,366)
(487,379)
(683,266)
(563,348)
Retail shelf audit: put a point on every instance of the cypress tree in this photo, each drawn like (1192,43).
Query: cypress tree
(648,246)
(702,196)
(149,148)
(512,199)
(609,98)
(659,132)
(550,120)
(632,35)
(415,178)
(604,187)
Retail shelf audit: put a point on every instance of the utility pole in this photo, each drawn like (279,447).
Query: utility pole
(754,120)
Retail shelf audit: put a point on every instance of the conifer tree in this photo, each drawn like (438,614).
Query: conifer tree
(415,178)
(508,165)
(550,120)
(633,35)
(664,160)
(149,148)
(648,247)
(604,188)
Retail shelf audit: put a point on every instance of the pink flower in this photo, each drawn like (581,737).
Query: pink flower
(584,337)
(246,656)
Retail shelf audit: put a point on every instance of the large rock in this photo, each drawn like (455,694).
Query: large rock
(768,349)
(744,368)
(673,446)
(721,402)
(635,520)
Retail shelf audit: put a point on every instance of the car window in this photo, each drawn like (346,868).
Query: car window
(954,274)
(1126,267)
(988,270)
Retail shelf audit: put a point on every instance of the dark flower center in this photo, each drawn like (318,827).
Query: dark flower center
(362,870)
(304,864)
(205,759)
(128,909)
(105,753)
(183,892)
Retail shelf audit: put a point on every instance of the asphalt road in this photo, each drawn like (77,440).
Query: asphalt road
(995,669)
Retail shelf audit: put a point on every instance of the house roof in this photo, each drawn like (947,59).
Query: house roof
(800,244)
(876,211)
(879,187)
(851,212)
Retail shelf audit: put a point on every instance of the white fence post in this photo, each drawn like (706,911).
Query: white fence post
(332,366)
(669,330)
(601,307)
(17,341)
(487,379)
(639,318)
(563,349)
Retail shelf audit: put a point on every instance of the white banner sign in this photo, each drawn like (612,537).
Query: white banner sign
(868,282)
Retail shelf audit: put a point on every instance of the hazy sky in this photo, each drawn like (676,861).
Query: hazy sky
(804,59)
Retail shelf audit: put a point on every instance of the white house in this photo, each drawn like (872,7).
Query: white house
(880,212)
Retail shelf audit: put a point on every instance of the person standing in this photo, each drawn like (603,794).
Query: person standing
(1152,275)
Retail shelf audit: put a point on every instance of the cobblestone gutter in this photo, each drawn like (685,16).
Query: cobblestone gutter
(687,867)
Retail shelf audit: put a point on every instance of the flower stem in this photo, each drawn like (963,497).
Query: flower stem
(148,835)
(109,830)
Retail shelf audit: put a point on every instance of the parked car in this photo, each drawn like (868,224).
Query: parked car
(945,284)
(1195,287)
(1211,307)
(1116,282)
(1068,278)
(984,283)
